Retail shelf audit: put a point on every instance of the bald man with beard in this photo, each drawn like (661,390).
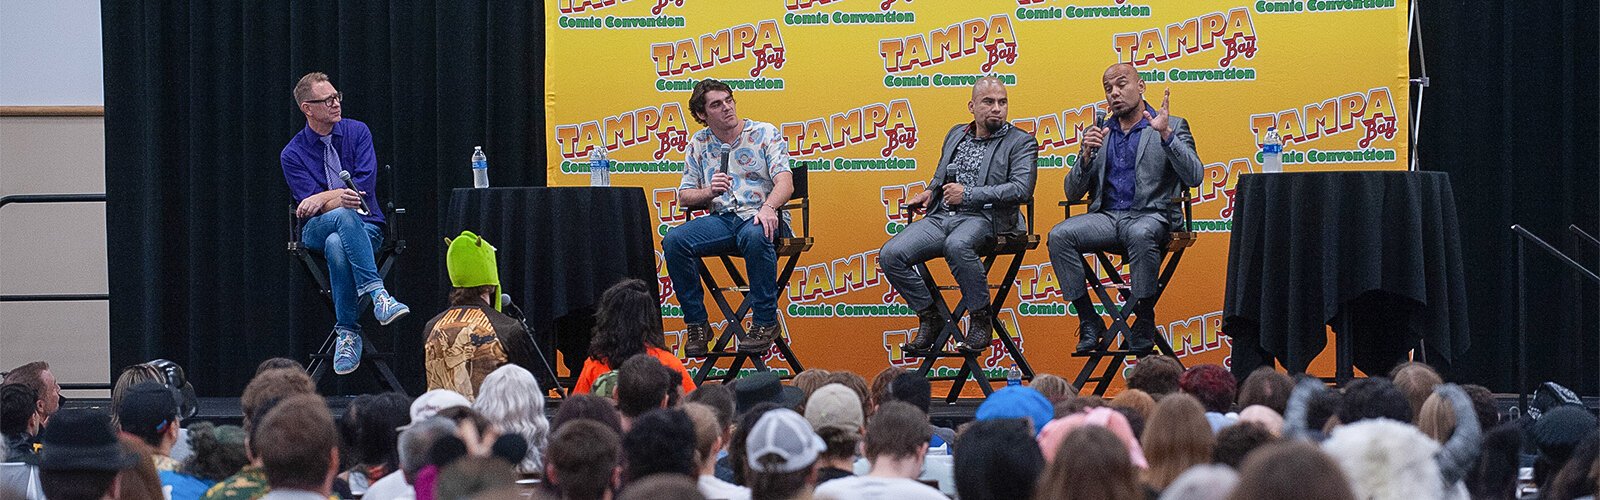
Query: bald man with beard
(1131,167)
(986,172)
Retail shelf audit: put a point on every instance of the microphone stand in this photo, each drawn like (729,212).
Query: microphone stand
(522,318)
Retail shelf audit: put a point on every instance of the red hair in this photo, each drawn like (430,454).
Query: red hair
(1211,384)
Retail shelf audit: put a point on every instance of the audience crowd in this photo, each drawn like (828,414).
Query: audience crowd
(1173,433)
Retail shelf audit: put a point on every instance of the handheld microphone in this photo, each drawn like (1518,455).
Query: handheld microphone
(344,175)
(724,168)
(1099,121)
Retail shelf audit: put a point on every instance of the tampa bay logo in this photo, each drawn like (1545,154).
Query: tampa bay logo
(579,6)
(1373,109)
(1197,34)
(663,125)
(993,36)
(761,41)
(893,120)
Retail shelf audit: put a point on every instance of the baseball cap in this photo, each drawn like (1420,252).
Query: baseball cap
(429,404)
(836,406)
(1017,402)
(79,439)
(786,435)
(148,408)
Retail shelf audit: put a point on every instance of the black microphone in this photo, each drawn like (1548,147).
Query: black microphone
(505,303)
(344,175)
(724,168)
(1099,121)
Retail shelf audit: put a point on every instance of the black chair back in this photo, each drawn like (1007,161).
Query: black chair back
(798,175)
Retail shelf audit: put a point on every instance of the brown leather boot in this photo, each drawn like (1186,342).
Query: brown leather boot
(759,338)
(695,339)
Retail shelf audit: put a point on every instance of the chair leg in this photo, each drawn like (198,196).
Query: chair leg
(735,327)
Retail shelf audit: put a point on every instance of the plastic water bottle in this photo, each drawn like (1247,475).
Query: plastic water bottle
(1013,376)
(480,168)
(1272,152)
(599,167)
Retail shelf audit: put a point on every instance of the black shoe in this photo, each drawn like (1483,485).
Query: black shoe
(979,330)
(759,338)
(929,323)
(1143,337)
(1090,330)
(695,339)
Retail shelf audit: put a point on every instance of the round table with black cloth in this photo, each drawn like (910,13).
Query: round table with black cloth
(1375,255)
(559,248)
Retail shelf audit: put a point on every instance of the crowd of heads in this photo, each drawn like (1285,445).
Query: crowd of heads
(1175,432)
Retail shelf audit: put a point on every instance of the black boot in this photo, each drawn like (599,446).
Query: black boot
(695,339)
(1143,337)
(929,323)
(1090,330)
(980,329)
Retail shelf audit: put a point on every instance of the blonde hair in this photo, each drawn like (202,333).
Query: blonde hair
(1416,381)
(1138,401)
(706,430)
(302,89)
(1054,388)
(1176,437)
(1437,419)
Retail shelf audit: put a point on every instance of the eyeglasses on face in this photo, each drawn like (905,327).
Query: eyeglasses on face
(329,101)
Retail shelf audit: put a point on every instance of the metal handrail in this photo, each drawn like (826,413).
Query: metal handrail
(52,198)
(1574,229)
(1524,236)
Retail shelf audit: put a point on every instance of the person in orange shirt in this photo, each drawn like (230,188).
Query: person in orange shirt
(628,323)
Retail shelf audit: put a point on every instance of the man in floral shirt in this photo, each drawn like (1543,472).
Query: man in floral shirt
(738,170)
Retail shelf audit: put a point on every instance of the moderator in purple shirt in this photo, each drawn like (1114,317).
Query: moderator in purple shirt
(306,174)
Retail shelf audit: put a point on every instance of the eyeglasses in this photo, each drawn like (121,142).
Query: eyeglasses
(329,101)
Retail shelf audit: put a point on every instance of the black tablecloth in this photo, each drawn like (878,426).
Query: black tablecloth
(560,248)
(1379,250)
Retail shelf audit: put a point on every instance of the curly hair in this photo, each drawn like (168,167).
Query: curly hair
(627,323)
(510,397)
(1211,384)
(218,451)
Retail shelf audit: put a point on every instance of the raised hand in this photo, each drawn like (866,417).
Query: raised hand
(1161,121)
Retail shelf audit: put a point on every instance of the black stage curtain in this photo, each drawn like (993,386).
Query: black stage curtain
(1511,116)
(198,106)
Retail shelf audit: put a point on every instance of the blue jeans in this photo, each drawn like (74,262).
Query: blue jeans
(348,243)
(717,234)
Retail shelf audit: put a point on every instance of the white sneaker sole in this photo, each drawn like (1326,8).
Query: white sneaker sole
(396,316)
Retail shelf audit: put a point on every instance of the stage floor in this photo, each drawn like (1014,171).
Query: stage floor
(227,410)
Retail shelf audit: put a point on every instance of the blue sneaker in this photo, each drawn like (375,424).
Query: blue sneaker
(346,351)
(386,309)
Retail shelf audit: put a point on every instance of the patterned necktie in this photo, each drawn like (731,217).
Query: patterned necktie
(330,163)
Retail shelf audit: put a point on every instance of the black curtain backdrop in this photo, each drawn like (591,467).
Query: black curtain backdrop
(1511,116)
(198,106)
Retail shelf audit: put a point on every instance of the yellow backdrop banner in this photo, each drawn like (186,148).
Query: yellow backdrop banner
(864,90)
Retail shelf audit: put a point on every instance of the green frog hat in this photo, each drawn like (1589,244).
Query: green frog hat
(470,261)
